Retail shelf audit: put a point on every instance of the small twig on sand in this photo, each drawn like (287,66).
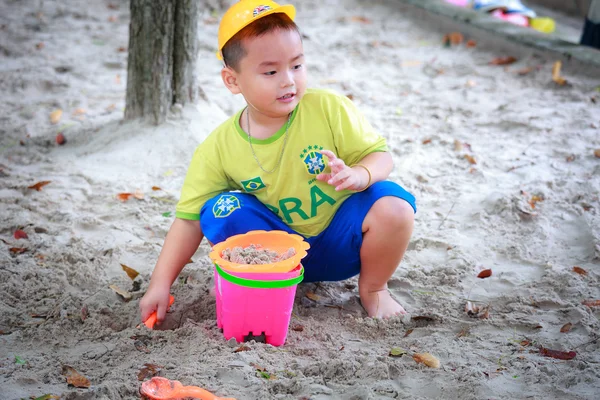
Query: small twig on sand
(444,220)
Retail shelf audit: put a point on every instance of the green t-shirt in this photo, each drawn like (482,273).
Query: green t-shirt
(322,120)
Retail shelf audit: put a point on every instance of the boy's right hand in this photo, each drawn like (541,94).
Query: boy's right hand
(155,299)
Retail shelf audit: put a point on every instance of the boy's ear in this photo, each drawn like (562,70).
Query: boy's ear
(229,77)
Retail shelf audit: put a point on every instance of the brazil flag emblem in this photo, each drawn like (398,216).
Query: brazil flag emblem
(253,185)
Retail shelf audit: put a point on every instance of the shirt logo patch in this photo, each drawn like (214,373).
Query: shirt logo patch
(225,206)
(259,10)
(253,185)
(313,160)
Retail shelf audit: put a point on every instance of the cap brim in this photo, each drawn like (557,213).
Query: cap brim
(287,9)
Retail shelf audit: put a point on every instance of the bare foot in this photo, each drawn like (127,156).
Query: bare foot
(379,304)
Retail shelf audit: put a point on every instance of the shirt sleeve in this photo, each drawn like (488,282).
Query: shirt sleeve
(353,135)
(205,179)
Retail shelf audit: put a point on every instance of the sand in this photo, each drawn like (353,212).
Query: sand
(527,208)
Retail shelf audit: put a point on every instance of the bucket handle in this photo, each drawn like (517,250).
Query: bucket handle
(258,284)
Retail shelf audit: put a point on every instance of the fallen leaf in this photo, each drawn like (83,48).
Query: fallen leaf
(60,139)
(579,270)
(242,348)
(486,273)
(39,45)
(47,397)
(486,313)
(453,38)
(457,145)
(397,352)
(19,234)
(423,318)
(190,261)
(560,355)
(131,273)
(138,194)
(166,214)
(341,348)
(426,359)
(20,361)
(124,196)
(503,60)
(74,378)
(55,116)
(463,332)
(570,158)
(141,346)
(155,188)
(361,19)
(112,6)
(38,186)
(84,313)
(470,158)
(350,96)
(525,343)
(538,327)
(556,73)
(78,111)
(566,327)
(111,107)
(17,250)
(39,229)
(298,328)
(597,153)
(591,303)
(426,141)
(112,18)
(408,332)
(471,43)
(534,200)
(148,370)
(312,296)
(118,79)
(525,71)
(123,293)
(470,83)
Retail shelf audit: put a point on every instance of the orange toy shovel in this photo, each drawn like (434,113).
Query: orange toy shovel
(159,388)
(151,321)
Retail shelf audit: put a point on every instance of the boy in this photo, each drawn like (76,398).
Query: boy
(274,152)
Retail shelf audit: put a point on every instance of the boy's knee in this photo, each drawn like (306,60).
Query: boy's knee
(392,212)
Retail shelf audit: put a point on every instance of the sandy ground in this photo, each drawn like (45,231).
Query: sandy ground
(528,209)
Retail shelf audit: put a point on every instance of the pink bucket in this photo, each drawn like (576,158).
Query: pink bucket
(250,306)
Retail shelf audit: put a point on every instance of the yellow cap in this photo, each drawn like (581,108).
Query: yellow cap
(243,13)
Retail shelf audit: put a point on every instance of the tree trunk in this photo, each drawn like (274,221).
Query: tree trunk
(162,57)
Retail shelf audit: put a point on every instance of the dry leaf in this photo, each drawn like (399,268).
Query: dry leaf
(560,355)
(118,79)
(60,139)
(155,188)
(55,116)
(124,196)
(486,273)
(312,296)
(566,327)
(579,270)
(138,194)
(426,141)
(39,45)
(396,352)
(148,370)
(17,250)
(298,328)
(463,332)
(454,38)
(84,313)
(525,71)
(423,318)
(534,200)
(113,6)
(597,153)
(19,234)
(122,49)
(470,158)
(471,43)
(426,359)
(350,96)
(74,378)
(46,397)
(503,60)
(570,158)
(79,111)
(112,18)
(131,273)
(111,107)
(38,186)
(408,332)
(556,74)
(123,293)
(486,313)
(525,343)
(591,303)
(242,348)
(141,346)
(457,145)
(361,19)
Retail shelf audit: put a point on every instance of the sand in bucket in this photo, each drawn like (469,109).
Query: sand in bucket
(256,300)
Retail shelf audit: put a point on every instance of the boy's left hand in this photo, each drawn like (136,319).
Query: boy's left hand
(342,176)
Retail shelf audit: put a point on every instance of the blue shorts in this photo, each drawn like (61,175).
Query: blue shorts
(334,254)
